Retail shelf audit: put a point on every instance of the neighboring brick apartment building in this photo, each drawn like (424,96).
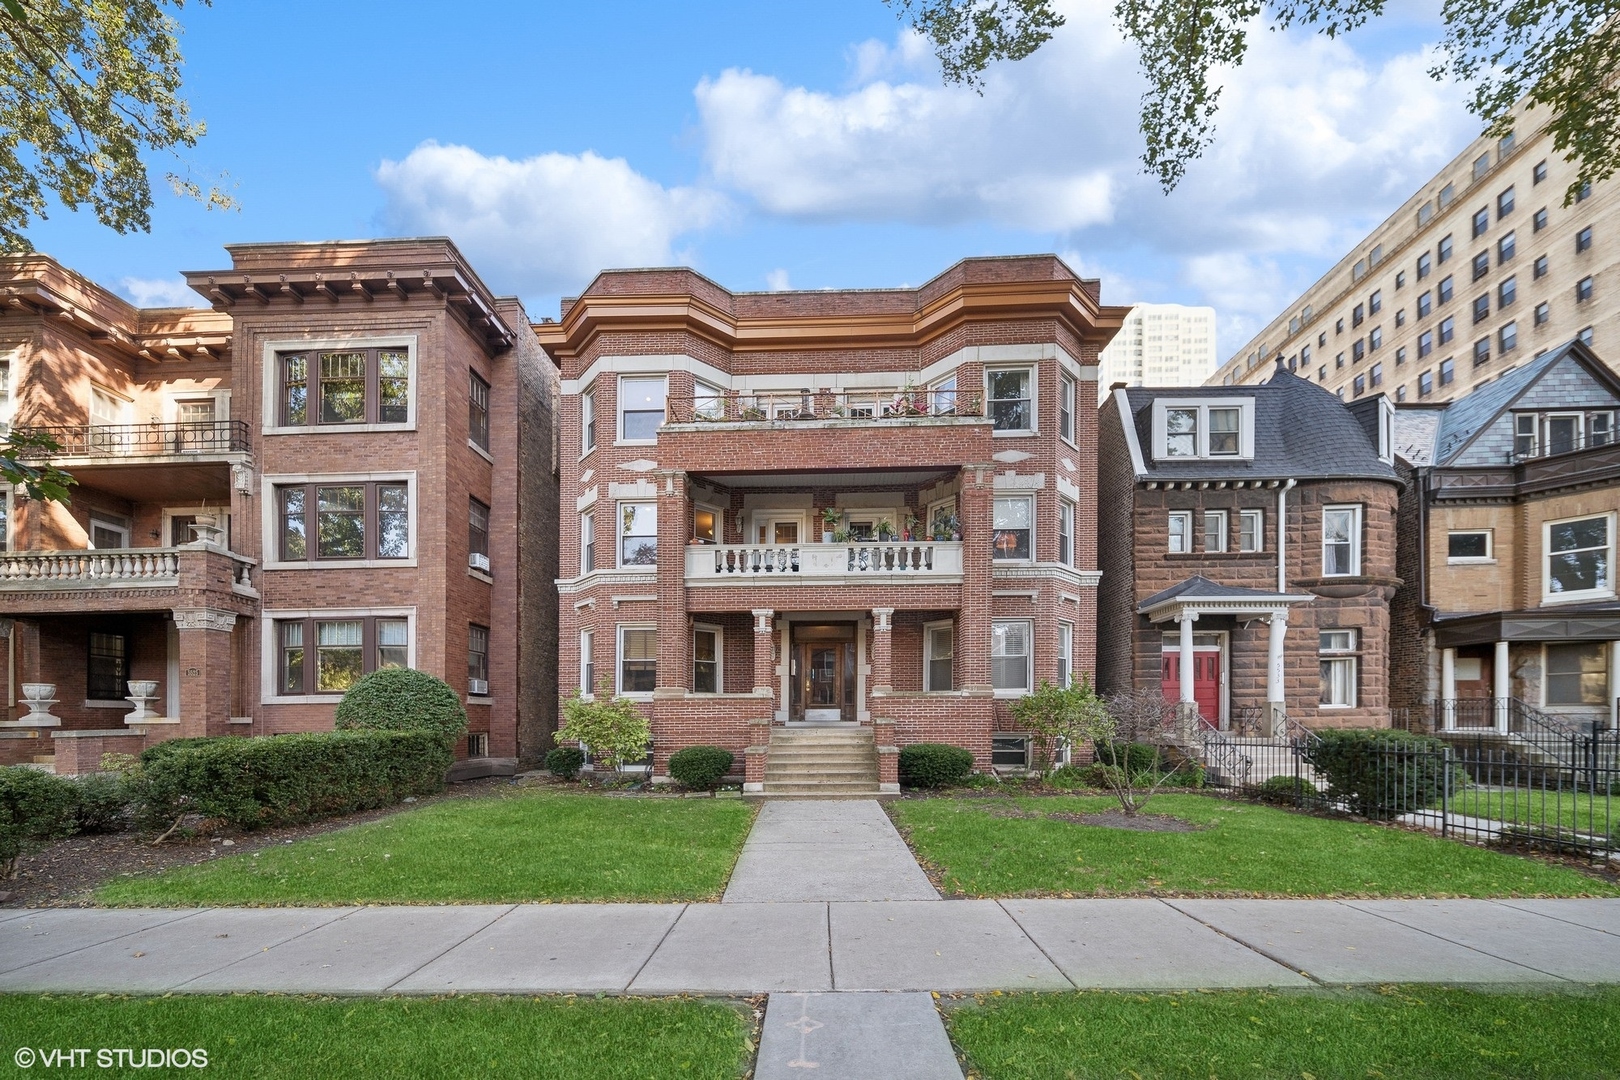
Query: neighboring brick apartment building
(327,473)
(732,464)
(1511,519)
(1249,554)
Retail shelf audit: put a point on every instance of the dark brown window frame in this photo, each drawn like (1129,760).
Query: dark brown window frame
(373,397)
(478,409)
(90,654)
(474,532)
(311,660)
(478,670)
(370,522)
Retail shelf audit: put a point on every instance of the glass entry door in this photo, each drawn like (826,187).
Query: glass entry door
(823,674)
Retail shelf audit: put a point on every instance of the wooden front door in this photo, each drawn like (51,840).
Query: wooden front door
(821,672)
(1206,681)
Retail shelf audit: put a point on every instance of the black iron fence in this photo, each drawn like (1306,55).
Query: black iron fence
(144,440)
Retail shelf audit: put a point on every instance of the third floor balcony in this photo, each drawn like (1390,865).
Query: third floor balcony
(216,440)
(874,561)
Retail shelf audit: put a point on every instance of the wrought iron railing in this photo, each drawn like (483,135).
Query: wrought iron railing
(788,406)
(144,440)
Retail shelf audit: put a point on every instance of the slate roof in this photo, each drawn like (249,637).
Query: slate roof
(1200,587)
(1302,431)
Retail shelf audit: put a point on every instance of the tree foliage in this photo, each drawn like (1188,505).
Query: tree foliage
(87,86)
(1560,54)
(613,728)
(1058,714)
(23,465)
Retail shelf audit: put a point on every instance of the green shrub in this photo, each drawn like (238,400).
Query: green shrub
(1137,758)
(402,699)
(281,779)
(1379,773)
(1284,789)
(565,762)
(1070,777)
(1186,775)
(35,808)
(700,768)
(933,765)
(102,800)
(613,727)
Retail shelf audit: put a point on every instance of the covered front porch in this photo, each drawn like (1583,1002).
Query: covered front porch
(1507,672)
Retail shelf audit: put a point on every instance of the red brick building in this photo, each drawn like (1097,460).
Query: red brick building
(1249,552)
(326,473)
(857,519)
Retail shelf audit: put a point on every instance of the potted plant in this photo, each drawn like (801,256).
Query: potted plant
(829,523)
(841,536)
(885,529)
(911,528)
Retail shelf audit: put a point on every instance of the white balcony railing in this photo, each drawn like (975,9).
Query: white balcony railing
(120,568)
(716,564)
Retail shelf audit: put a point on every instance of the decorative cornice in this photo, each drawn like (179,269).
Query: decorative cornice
(204,619)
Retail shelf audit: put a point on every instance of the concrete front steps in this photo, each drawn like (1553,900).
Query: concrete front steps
(821,763)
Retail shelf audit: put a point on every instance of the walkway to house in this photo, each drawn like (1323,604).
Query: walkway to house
(826,850)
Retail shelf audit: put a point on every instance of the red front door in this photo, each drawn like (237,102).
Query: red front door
(1206,682)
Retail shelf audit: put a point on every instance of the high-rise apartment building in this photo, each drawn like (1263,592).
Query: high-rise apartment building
(1481,270)
(1161,345)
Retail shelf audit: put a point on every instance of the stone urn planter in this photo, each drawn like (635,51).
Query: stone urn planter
(39,699)
(142,692)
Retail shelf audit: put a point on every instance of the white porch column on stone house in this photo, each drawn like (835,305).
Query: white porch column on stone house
(1185,657)
(1276,698)
(1501,686)
(1448,687)
(1614,685)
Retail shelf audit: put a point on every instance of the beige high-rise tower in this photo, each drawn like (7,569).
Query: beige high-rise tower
(1482,269)
(1161,345)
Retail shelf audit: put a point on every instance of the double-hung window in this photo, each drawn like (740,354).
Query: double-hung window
(1336,650)
(638,534)
(1583,240)
(477,659)
(1525,435)
(1065,654)
(1214,531)
(329,655)
(1507,337)
(1423,304)
(708,402)
(1181,432)
(587,663)
(1444,291)
(706,660)
(1583,290)
(1066,399)
(344,386)
(638,660)
(1448,329)
(478,410)
(1580,558)
(587,542)
(477,535)
(345,521)
(939,645)
(1010,656)
(1180,530)
(1065,532)
(1251,530)
(1010,401)
(1507,293)
(1577,673)
(1425,343)
(1013,534)
(1341,541)
(107,667)
(1506,248)
(587,421)
(641,407)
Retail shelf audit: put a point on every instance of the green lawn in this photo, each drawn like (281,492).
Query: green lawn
(514,847)
(1245,849)
(1576,811)
(1397,1033)
(432,1038)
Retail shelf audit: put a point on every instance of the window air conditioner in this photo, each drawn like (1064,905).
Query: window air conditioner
(478,686)
(478,561)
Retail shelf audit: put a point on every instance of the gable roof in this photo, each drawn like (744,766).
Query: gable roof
(1301,431)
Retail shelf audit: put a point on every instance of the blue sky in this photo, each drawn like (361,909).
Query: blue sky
(803,145)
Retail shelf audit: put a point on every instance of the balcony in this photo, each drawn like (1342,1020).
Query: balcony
(875,562)
(100,442)
(143,578)
(875,405)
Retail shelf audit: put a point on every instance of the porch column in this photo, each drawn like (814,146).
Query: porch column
(1614,685)
(1448,687)
(674,629)
(1276,695)
(765,654)
(973,626)
(206,656)
(1501,686)
(882,681)
(1187,709)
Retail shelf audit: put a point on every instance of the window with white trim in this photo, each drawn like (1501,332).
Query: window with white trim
(1180,532)
(327,656)
(638,660)
(1066,398)
(587,542)
(638,534)
(705,524)
(1336,650)
(1009,657)
(1209,428)
(587,421)
(1251,530)
(1468,545)
(1579,560)
(1341,541)
(708,402)
(587,663)
(1065,654)
(641,407)
(1009,392)
(1014,532)
(939,647)
(944,396)
(1065,532)
(1215,531)
(706,642)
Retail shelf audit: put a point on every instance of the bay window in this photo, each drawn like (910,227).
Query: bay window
(1066,398)
(638,660)
(641,407)
(638,534)
(344,386)
(1341,541)
(1009,657)
(1014,535)
(1010,399)
(1336,650)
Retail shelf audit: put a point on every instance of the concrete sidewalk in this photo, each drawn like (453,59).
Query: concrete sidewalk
(832,850)
(813,947)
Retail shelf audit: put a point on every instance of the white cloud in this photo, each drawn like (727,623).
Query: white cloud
(544,224)
(159,292)
(777,280)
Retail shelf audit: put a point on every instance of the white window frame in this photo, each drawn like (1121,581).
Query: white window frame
(1066,532)
(1534,434)
(1245,407)
(708,401)
(1467,560)
(271,401)
(1068,396)
(719,521)
(719,657)
(1550,597)
(619,534)
(619,400)
(944,386)
(1257,531)
(1034,401)
(271,524)
(1029,501)
(1354,509)
(110,524)
(1210,517)
(1185,519)
(587,542)
(270,646)
(928,658)
(587,421)
(1029,658)
(587,664)
(1065,654)
(12,360)
(618,660)
(1341,655)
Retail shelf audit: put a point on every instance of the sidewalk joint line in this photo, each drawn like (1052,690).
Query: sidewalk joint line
(262,950)
(1459,944)
(1279,961)
(1038,946)
(102,941)
(452,946)
(1501,901)
(670,929)
(832,977)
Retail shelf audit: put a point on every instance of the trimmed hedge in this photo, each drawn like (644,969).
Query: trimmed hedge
(565,762)
(700,768)
(1380,773)
(284,779)
(103,799)
(932,765)
(1283,789)
(35,808)
(402,699)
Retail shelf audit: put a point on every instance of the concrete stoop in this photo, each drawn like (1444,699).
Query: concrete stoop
(821,763)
